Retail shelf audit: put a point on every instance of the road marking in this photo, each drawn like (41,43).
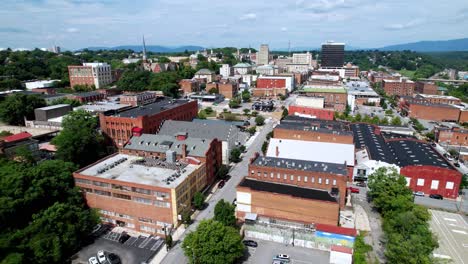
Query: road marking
(451,240)
(459,231)
(299,261)
(465,245)
(450,219)
(442,256)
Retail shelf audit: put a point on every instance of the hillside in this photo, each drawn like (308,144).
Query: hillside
(431,46)
(152,48)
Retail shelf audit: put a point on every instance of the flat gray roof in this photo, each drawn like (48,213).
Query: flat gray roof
(196,147)
(151,109)
(45,108)
(146,171)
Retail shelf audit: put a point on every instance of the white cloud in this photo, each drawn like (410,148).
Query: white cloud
(284,29)
(249,16)
(402,26)
(72,30)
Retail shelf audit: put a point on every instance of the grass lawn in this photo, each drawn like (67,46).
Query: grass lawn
(409,74)
(210,114)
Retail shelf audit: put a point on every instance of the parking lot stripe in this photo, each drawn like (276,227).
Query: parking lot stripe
(459,231)
(452,248)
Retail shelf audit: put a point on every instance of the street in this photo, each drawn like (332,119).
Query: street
(228,193)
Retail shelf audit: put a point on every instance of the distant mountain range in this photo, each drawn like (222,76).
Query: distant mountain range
(432,46)
(152,48)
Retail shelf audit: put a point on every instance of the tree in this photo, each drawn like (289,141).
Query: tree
(213,243)
(360,250)
(246,111)
(252,130)
(18,106)
(396,121)
(213,91)
(264,147)
(357,118)
(224,212)
(235,155)
(24,154)
(79,141)
(234,103)
(186,218)
(198,200)
(201,115)
(254,113)
(72,102)
(246,96)
(134,80)
(169,241)
(260,120)
(222,171)
(285,113)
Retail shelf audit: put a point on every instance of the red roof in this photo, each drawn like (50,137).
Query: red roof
(342,249)
(336,230)
(17,137)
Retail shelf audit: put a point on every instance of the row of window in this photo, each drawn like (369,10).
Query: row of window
(434,184)
(128,197)
(295,178)
(140,219)
(123,188)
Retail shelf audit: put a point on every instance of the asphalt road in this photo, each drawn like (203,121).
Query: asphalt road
(452,232)
(445,204)
(228,193)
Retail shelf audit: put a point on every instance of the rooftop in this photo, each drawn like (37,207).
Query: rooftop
(285,189)
(303,165)
(323,89)
(53,107)
(86,94)
(221,131)
(204,71)
(242,65)
(323,126)
(312,151)
(218,121)
(151,109)
(145,171)
(17,137)
(101,107)
(161,143)
(435,96)
(364,136)
(411,152)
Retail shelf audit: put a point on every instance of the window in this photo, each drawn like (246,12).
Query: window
(99,192)
(121,187)
(147,229)
(327,181)
(292,177)
(140,190)
(124,216)
(408,180)
(162,204)
(145,220)
(122,196)
(319,180)
(265,174)
(101,184)
(84,181)
(285,176)
(449,185)
(130,225)
(312,179)
(142,200)
(305,178)
(298,178)
(84,189)
(161,194)
(434,185)
(105,212)
(278,175)
(271,175)
(420,182)
(334,182)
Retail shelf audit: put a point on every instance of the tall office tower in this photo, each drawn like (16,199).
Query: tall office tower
(263,55)
(332,54)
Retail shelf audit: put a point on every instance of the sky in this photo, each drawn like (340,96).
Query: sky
(75,24)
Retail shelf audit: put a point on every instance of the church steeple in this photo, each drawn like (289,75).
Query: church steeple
(144,49)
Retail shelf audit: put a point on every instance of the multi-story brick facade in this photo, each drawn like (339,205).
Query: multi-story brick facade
(398,87)
(335,96)
(325,114)
(227,89)
(87,97)
(315,130)
(308,174)
(426,88)
(189,86)
(436,112)
(90,74)
(269,92)
(454,136)
(137,99)
(118,186)
(438,99)
(119,127)
(286,202)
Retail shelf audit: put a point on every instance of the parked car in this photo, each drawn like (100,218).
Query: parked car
(361,184)
(353,189)
(456,164)
(123,238)
(114,259)
(436,196)
(282,256)
(234,202)
(221,184)
(449,158)
(250,243)
(93,260)
(101,256)
(418,193)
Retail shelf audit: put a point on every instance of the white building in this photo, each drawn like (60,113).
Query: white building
(40,84)
(360,92)
(310,101)
(297,67)
(242,68)
(303,58)
(205,74)
(289,81)
(267,70)
(263,55)
(101,73)
(226,70)
(365,166)
(130,60)
(341,71)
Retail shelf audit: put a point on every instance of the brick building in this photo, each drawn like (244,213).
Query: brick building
(228,89)
(426,88)
(398,87)
(272,86)
(119,127)
(87,97)
(314,130)
(335,96)
(138,99)
(285,202)
(189,86)
(91,74)
(454,136)
(326,114)
(438,99)
(330,177)
(208,151)
(143,194)
(436,112)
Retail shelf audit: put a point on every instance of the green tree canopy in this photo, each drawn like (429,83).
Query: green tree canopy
(16,107)
(213,243)
(134,80)
(224,212)
(79,142)
(260,120)
(198,200)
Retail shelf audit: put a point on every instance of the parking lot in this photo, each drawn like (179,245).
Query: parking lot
(266,250)
(135,250)
(452,232)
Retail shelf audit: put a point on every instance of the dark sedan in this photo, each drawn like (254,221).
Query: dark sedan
(250,243)
(436,196)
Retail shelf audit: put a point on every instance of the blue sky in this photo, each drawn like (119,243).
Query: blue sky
(74,24)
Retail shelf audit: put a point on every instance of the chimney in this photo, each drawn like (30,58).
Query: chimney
(184,151)
(277,151)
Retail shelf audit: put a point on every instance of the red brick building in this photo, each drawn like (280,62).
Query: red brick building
(398,87)
(94,74)
(326,114)
(454,136)
(286,202)
(335,96)
(137,99)
(272,86)
(436,112)
(87,97)
(189,86)
(228,89)
(426,88)
(121,126)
